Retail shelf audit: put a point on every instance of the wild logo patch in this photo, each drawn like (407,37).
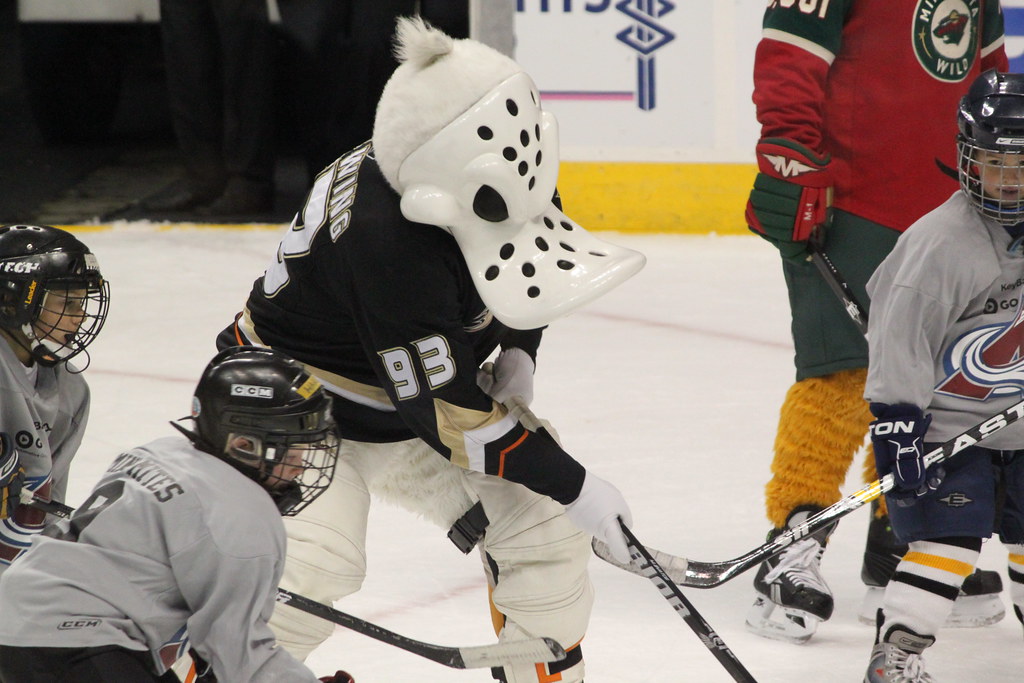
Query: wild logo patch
(946,37)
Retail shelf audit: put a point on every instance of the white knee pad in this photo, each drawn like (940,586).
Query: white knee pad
(326,558)
(536,561)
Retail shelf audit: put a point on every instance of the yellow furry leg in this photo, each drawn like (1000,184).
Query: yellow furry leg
(822,424)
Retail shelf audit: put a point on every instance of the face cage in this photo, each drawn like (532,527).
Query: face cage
(316,469)
(1003,173)
(64,326)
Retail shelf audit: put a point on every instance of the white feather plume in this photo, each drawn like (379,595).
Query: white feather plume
(419,43)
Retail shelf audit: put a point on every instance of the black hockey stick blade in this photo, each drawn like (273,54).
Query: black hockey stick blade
(650,568)
(710,574)
(473,657)
(836,282)
(51,507)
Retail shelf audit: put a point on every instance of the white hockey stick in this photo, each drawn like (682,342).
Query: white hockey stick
(472,657)
(710,574)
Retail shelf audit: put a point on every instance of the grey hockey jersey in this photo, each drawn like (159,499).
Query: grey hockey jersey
(170,538)
(946,330)
(45,419)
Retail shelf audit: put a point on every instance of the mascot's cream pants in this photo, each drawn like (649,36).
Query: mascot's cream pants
(535,558)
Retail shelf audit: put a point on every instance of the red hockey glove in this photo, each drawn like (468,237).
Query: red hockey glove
(791,196)
(12,477)
(339,677)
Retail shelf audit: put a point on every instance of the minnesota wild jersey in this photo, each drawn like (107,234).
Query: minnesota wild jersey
(834,75)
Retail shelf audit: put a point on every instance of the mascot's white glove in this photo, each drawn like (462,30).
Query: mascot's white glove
(597,511)
(510,375)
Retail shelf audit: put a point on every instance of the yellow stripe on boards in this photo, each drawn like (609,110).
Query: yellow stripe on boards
(938,562)
(639,197)
(174,226)
(657,197)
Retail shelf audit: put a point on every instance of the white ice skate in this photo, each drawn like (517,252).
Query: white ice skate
(902,663)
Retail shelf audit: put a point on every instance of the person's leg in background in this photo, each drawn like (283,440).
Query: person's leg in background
(192,57)
(247,50)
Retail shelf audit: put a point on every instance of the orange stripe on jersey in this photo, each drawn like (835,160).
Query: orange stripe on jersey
(238,333)
(506,451)
(1016,559)
(938,562)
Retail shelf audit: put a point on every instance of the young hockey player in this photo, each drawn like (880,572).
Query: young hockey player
(946,333)
(413,259)
(53,303)
(179,533)
(837,86)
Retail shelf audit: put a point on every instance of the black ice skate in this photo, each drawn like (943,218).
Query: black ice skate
(978,603)
(792,596)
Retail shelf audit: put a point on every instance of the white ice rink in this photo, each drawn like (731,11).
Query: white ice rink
(669,387)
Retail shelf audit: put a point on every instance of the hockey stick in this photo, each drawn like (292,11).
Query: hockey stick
(835,280)
(481,656)
(473,657)
(710,574)
(670,591)
(650,568)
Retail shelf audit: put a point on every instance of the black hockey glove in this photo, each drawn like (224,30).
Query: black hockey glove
(204,672)
(897,435)
(339,677)
(12,477)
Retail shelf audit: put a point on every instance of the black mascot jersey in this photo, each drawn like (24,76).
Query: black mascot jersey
(385,313)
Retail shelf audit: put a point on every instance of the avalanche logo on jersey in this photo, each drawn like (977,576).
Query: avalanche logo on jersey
(987,361)
(946,37)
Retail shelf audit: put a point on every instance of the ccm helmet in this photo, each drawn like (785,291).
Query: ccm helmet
(265,415)
(53,299)
(990,146)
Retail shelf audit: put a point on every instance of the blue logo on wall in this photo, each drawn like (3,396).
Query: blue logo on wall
(645,36)
(1013,20)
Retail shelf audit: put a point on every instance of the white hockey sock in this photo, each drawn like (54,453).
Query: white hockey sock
(1015,570)
(920,594)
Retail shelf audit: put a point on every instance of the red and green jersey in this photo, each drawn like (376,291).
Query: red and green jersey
(876,83)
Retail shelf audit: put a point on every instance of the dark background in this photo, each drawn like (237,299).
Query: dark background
(56,169)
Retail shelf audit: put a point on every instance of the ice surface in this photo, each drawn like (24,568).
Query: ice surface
(669,387)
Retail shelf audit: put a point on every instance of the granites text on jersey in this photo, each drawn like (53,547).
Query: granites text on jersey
(150,475)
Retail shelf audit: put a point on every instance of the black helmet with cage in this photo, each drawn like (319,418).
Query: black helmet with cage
(53,298)
(265,415)
(990,145)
